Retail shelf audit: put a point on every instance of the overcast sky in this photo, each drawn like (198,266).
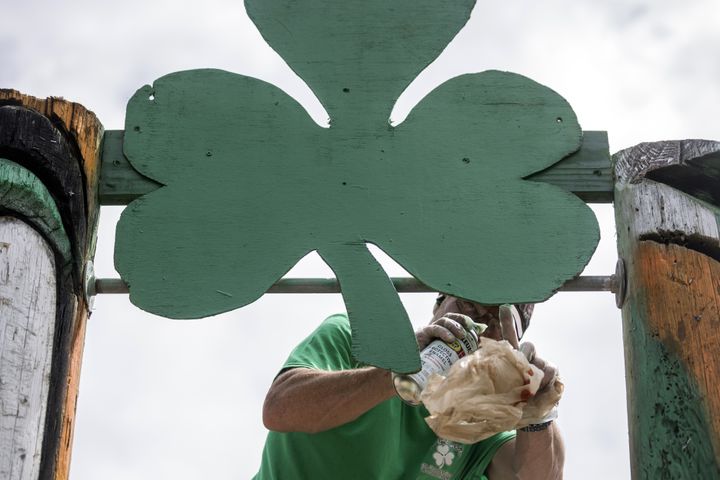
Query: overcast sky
(182,399)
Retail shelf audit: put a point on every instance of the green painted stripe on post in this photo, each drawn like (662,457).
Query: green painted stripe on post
(673,433)
(23,193)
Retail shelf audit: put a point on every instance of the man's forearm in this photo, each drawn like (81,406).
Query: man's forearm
(311,401)
(539,455)
(536,455)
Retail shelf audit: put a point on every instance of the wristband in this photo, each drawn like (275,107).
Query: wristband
(536,427)
(542,424)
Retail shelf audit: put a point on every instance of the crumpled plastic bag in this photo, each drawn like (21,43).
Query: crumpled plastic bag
(493,390)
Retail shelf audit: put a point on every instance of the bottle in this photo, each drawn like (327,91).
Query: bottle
(437,357)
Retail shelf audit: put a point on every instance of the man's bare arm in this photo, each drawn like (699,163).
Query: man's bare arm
(530,456)
(311,401)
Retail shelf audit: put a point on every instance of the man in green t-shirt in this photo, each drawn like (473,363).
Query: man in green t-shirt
(332,418)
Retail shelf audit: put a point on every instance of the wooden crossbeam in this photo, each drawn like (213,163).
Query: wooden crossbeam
(587,173)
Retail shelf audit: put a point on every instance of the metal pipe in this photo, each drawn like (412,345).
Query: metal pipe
(402,285)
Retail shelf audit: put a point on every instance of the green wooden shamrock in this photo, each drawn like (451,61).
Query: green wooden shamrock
(252,184)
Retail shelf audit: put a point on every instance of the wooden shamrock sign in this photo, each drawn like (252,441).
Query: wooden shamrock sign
(251,184)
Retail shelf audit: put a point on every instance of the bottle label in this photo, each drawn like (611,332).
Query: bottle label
(439,356)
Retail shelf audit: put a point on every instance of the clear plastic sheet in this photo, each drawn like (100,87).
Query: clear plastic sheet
(493,390)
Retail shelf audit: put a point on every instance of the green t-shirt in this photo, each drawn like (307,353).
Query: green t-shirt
(388,442)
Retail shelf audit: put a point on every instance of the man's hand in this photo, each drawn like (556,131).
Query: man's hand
(550,370)
(507,327)
(449,327)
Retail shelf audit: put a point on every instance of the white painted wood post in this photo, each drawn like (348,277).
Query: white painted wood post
(27,301)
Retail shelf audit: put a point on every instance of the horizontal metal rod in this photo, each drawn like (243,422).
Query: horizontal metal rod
(402,285)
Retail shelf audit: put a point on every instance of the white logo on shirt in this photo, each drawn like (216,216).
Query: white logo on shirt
(443,456)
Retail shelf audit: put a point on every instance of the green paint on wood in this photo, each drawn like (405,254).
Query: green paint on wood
(21,192)
(587,173)
(671,427)
(252,184)
(358,57)
(119,182)
(698,175)
(373,306)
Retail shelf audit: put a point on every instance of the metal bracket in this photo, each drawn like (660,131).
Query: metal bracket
(619,283)
(89,290)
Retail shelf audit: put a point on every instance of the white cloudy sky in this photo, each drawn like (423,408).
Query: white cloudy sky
(182,399)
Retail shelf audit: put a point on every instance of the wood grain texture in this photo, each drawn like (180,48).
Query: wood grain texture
(669,241)
(692,166)
(669,216)
(586,173)
(360,280)
(85,133)
(679,422)
(58,141)
(31,140)
(27,301)
(358,57)
(251,184)
(64,414)
(671,334)
(120,183)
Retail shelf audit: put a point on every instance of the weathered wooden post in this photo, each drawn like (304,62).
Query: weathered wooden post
(49,152)
(667,224)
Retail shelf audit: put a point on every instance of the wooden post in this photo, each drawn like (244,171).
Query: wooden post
(670,244)
(49,152)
